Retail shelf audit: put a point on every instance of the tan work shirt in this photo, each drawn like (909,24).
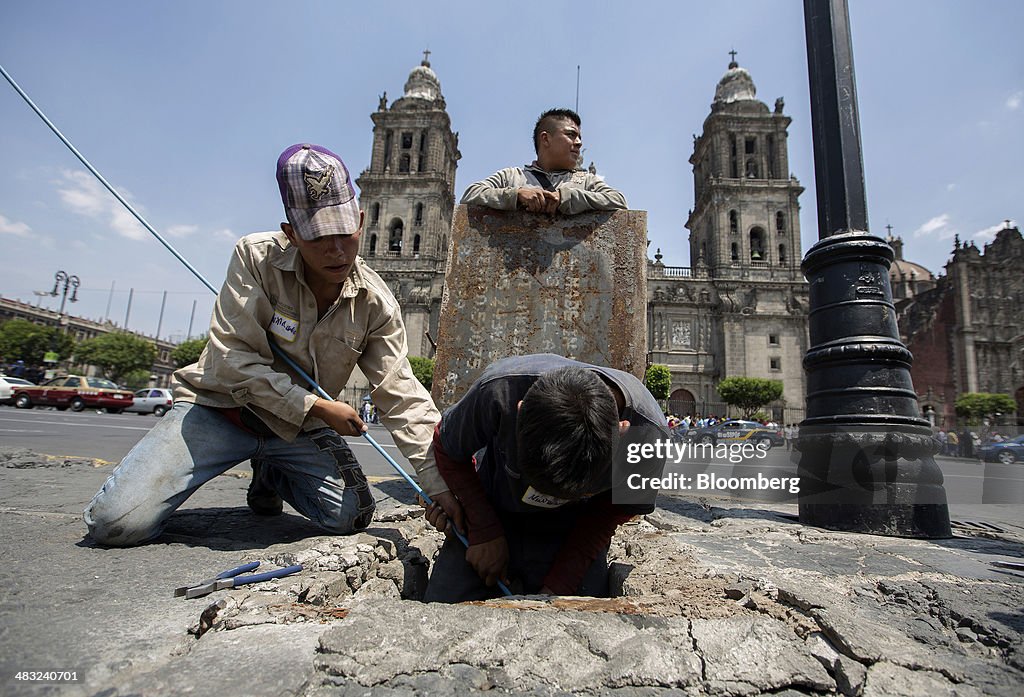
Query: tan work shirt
(265,296)
(579,190)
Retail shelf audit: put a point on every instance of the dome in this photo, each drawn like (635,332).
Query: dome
(423,83)
(735,86)
(902,270)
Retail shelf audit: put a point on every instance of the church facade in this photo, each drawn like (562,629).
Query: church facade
(965,329)
(740,309)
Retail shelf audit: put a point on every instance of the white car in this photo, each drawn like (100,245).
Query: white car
(152,400)
(7,387)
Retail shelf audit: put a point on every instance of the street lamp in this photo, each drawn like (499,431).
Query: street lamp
(69,282)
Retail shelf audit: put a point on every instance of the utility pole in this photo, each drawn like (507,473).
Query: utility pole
(866,455)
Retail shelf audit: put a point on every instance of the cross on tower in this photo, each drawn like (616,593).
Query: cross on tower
(733,54)
(889,228)
(426,57)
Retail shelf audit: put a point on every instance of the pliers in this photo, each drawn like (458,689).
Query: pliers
(231,578)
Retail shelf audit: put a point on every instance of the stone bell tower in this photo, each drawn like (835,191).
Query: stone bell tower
(408,195)
(746,215)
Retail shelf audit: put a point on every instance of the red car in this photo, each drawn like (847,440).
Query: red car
(76,392)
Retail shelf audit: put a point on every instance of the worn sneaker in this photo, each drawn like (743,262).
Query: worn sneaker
(262,499)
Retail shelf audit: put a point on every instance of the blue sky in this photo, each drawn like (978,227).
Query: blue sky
(184,107)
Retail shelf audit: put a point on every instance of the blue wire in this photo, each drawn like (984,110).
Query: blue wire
(273,346)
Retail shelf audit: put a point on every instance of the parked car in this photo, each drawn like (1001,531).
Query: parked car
(1007,452)
(74,392)
(736,431)
(8,383)
(152,400)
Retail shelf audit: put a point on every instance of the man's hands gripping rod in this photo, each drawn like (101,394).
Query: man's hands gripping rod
(349,423)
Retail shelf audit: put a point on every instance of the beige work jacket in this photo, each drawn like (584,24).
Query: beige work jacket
(265,297)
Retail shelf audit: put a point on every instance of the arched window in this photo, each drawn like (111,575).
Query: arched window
(734,222)
(403,164)
(780,222)
(395,237)
(416,244)
(419,214)
(757,248)
(735,252)
(782,255)
(373,245)
(375,214)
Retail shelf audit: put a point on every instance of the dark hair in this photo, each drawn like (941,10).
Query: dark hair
(544,122)
(566,432)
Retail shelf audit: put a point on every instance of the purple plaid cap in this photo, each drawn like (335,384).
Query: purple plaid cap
(317,192)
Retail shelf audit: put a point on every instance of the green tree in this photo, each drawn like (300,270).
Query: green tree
(188,352)
(423,369)
(117,354)
(29,342)
(658,381)
(136,379)
(749,394)
(975,406)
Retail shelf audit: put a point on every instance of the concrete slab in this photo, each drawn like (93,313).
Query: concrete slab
(714,601)
(520,283)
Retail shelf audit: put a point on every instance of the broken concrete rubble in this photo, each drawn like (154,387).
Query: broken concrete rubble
(676,623)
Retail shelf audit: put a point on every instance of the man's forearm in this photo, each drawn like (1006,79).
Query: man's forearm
(463,481)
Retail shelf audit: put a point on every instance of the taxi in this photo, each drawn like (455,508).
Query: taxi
(737,431)
(74,392)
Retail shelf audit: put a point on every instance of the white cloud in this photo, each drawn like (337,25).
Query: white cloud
(937,227)
(182,230)
(226,233)
(989,233)
(11,227)
(82,194)
(1014,101)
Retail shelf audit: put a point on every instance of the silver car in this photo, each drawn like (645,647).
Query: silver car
(8,384)
(152,400)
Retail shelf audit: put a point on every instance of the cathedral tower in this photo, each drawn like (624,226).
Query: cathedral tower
(740,308)
(746,215)
(407,194)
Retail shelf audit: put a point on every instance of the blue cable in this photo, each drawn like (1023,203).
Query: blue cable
(273,346)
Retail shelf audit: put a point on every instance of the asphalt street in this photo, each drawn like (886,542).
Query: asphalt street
(108,437)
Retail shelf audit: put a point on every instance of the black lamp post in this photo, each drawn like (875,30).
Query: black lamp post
(866,455)
(71,282)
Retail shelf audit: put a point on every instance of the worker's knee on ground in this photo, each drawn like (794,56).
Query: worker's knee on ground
(114,529)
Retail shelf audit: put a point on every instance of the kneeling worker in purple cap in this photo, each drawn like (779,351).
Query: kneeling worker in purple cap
(305,289)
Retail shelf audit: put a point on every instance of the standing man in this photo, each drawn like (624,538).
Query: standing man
(552,183)
(305,289)
(538,453)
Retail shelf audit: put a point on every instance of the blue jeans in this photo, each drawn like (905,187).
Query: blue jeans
(316,473)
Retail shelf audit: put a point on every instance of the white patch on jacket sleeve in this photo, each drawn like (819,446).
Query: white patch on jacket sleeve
(284,327)
(535,498)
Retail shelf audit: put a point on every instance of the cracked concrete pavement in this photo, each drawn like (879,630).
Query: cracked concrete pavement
(709,600)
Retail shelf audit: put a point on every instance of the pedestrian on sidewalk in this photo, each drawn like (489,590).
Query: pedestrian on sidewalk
(952,443)
(538,453)
(305,289)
